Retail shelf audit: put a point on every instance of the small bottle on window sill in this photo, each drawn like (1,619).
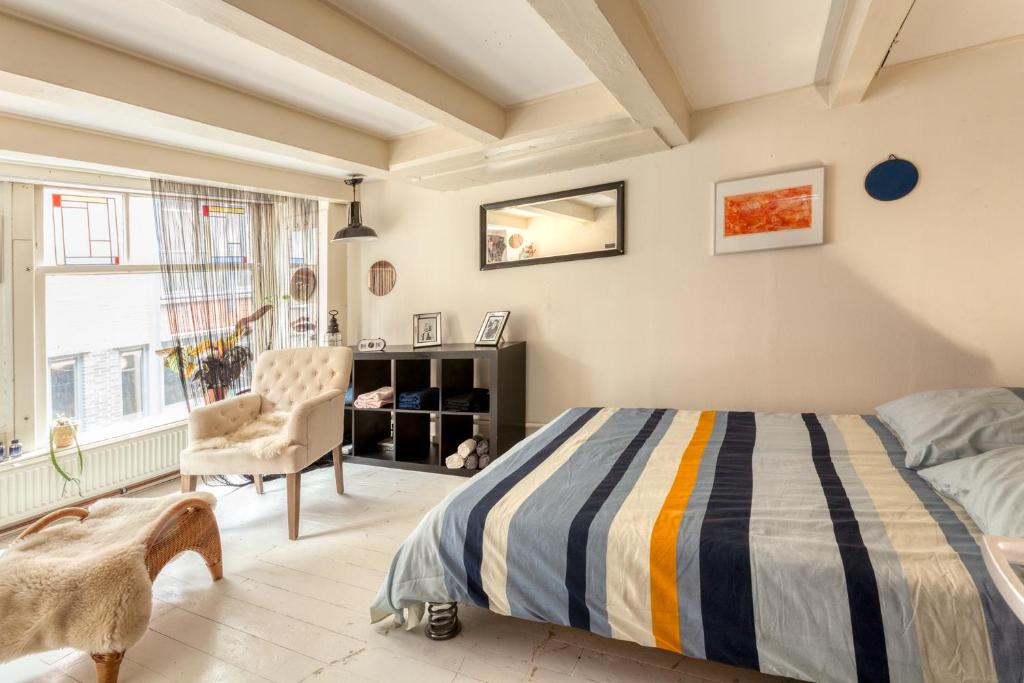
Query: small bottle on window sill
(14,450)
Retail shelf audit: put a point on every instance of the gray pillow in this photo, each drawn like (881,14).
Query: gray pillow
(938,426)
(990,487)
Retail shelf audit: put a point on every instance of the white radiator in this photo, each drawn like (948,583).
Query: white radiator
(31,487)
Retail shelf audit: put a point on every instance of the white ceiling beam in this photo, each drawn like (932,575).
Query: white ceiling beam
(49,144)
(859,35)
(531,125)
(577,128)
(565,208)
(614,40)
(327,39)
(92,72)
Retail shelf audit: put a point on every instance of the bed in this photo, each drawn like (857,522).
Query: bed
(793,544)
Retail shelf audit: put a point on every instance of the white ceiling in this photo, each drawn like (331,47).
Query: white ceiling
(168,35)
(937,26)
(732,50)
(502,48)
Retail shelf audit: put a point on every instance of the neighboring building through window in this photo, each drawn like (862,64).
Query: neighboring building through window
(65,387)
(132,391)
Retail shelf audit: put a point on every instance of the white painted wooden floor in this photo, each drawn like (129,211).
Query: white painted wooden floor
(299,610)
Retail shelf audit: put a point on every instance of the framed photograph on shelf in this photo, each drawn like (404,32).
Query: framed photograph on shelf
(492,328)
(426,329)
(770,211)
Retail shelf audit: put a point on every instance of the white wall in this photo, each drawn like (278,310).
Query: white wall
(921,293)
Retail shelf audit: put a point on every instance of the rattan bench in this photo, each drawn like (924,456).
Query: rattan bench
(187,525)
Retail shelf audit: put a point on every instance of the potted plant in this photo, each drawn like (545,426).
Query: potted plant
(61,472)
(64,431)
(213,364)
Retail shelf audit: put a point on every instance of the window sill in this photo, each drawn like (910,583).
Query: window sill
(37,454)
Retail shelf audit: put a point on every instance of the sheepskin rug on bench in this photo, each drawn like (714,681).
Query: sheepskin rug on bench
(81,584)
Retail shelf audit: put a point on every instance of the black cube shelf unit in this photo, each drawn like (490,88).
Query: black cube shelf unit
(454,369)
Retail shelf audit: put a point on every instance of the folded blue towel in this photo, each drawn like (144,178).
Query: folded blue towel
(350,395)
(420,399)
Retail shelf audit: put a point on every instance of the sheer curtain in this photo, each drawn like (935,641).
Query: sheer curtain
(240,275)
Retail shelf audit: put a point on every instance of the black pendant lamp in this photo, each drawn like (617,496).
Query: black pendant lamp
(355,231)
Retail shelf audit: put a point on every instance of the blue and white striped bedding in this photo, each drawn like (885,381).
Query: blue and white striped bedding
(794,544)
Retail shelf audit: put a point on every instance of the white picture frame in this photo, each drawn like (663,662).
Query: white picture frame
(757,224)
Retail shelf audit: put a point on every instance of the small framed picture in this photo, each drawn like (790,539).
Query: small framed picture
(426,329)
(491,329)
(770,211)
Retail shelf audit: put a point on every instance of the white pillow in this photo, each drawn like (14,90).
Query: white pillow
(990,487)
(938,426)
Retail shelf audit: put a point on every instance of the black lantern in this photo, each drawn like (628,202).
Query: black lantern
(333,335)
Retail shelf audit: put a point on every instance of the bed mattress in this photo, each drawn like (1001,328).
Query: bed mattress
(793,544)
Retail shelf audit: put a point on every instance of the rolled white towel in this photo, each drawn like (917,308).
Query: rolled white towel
(471,462)
(455,461)
(483,461)
(467,448)
(483,448)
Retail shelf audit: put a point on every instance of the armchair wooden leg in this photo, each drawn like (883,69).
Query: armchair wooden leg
(189,482)
(257,480)
(292,486)
(339,478)
(108,666)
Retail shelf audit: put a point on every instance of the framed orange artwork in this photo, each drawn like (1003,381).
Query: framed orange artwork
(770,212)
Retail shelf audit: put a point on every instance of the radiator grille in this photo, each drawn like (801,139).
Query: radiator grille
(31,488)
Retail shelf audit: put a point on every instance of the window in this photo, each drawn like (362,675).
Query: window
(110,313)
(132,395)
(84,228)
(106,316)
(65,388)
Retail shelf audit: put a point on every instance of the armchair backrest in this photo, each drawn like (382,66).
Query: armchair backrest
(289,376)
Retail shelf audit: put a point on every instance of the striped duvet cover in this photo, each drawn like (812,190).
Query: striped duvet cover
(795,544)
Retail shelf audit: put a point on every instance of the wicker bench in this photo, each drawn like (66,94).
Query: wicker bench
(187,525)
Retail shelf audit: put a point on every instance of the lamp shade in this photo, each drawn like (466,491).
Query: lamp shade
(355,231)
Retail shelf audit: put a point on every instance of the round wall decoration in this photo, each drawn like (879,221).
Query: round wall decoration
(892,179)
(381,278)
(303,284)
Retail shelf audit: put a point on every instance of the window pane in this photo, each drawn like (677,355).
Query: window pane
(142,230)
(131,383)
(63,388)
(113,324)
(82,227)
(173,392)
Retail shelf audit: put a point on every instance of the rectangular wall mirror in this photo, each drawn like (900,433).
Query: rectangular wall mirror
(588,222)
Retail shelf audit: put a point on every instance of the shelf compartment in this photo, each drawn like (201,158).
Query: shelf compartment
(369,428)
(454,430)
(412,438)
(370,374)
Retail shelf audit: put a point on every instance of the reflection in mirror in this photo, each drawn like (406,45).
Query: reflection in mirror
(381,278)
(562,226)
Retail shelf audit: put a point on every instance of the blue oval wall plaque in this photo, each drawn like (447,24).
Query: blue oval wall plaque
(892,179)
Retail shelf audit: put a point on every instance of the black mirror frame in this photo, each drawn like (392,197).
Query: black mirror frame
(620,210)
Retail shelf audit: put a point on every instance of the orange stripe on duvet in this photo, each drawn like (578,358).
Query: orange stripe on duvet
(664,585)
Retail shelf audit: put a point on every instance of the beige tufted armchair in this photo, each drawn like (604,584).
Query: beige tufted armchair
(310,385)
